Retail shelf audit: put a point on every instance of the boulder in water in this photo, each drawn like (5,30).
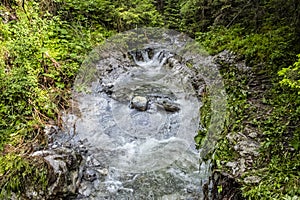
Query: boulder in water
(139,103)
(169,105)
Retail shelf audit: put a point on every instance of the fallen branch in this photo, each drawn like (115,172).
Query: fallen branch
(55,63)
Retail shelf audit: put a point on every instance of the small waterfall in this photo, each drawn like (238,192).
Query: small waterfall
(143,59)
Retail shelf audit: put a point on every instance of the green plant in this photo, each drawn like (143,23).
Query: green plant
(291,75)
(18,173)
(42,46)
(269,108)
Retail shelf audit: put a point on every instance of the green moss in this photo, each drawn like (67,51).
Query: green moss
(19,173)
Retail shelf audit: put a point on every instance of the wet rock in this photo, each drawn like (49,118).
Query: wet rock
(85,189)
(229,58)
(139,103)
(74,179)
(82,149)
(90,175)
(243,144)
(92,162)
(54,146)
(93,177)
(50,130)
(108,88)
(42,153)
(168,105)
(67,145)
(64,165)
(103,171)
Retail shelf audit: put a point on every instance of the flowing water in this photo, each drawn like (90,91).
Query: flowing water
(136,153)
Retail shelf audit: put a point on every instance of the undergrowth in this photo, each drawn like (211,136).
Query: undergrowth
(42,45)
(277,123)
(22,174)
(39,58)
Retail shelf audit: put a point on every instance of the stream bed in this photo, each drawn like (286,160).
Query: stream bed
(135,113)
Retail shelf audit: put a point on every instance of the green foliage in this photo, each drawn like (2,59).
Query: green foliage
(254,15)
(19,173)
(200,137)
(223,153)
(280,179)
(271,48)
(171,14)
(118,15)
(39,57)
(280,147)
(205,118)
(276,113)
(291,76)
(279,155)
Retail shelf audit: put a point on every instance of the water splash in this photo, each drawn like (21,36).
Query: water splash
(148,154)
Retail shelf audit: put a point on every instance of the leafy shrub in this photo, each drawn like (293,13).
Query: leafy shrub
(115,15)
(291,76)
(18,174)
(39,57)
(271,48)
(278,124)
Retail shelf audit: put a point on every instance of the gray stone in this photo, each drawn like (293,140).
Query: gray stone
(252,179)
(169,105)
(50,130)
(252,135)
(85,189)
(92,162)
(139,103)
(243,144)
(233,166)
(103,171)
(247,148)
(90,175)
(74,178)
(63,175)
